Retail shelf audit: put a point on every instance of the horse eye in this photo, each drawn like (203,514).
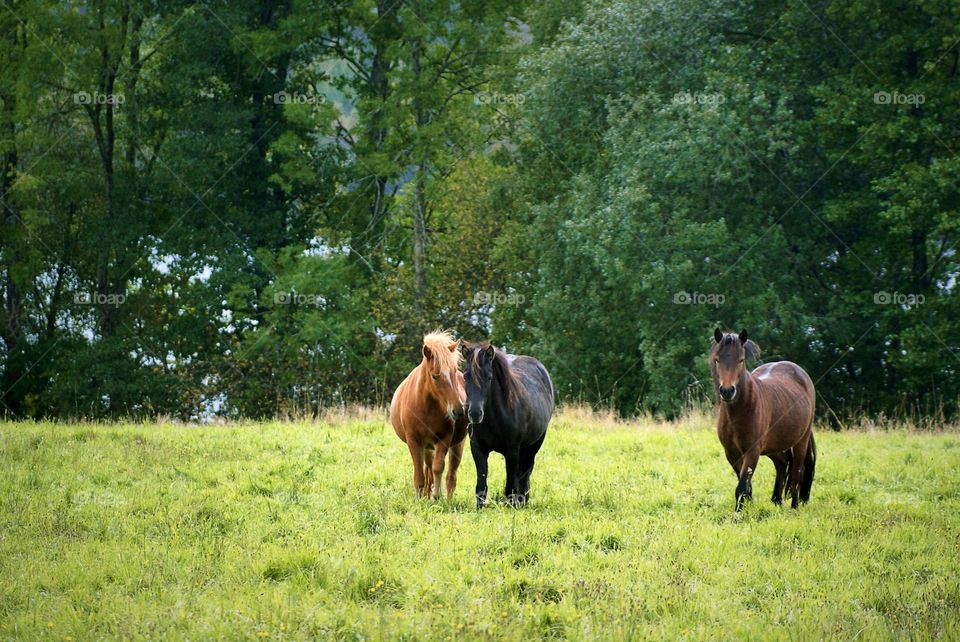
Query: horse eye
(741,360)
(435,377)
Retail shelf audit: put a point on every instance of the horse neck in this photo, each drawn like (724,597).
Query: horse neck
(747,400)
(420,386)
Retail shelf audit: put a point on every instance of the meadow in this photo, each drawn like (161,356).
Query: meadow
(310,530)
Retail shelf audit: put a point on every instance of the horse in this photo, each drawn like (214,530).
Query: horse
(768,411)
(427,414)
(509,405)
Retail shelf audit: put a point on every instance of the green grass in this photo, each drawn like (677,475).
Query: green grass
(304,531)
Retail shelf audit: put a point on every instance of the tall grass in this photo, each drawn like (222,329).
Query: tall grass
(310,530)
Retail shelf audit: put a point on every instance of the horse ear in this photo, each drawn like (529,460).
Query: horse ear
(427,354)
(743,337)
(717,335)
(751,349)
(491,352)
(463,348)
(453,346)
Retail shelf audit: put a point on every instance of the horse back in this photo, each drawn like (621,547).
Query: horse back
(786,375)
(790,399)
(537,385)
(398,405)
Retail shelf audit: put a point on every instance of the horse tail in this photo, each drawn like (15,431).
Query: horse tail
(809,466)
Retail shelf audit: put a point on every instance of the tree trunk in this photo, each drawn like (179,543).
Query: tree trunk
(420,195)
(105,136)
(921,276)
(420,238)
(11,329)
(380,89)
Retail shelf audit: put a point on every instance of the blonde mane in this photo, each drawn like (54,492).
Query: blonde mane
(439,343)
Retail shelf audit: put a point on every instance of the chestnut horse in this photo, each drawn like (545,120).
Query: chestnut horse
(765,412)
(427,414)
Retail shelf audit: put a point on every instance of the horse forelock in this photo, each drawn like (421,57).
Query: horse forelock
(442,356)
(750,347)
(502,372)
(473,351)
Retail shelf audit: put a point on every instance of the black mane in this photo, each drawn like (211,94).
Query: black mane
(503,376)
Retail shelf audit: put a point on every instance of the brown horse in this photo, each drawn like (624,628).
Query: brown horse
(427,414)
(765,412)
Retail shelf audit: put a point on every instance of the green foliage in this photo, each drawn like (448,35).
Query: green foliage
(599,184)
(741,172)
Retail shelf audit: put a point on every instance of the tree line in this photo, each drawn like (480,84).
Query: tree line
(258,208)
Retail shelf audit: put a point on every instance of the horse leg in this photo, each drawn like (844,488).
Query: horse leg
(426,462)
(809,467)
(480,462)
(528,455)
(781,463)
(734,458)
(456,454)
(439,459)
(745,485)
(416,453)
(799,455)
(511,491)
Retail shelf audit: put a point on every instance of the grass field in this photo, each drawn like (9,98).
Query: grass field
(304,531)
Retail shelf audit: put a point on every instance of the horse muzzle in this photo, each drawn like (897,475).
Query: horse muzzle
(727,395)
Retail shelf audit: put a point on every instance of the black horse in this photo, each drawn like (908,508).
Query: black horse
(509,404)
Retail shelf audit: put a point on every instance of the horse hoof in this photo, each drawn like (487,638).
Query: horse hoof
(517,501)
